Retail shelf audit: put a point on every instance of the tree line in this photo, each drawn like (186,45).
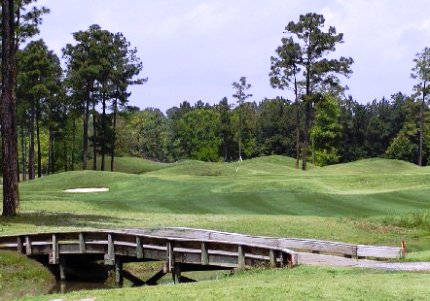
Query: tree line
(79,117)
(343,130)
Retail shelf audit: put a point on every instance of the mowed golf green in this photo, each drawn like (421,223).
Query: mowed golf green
(373,201)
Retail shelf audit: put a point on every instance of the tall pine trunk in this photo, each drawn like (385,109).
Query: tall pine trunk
(308,112)
(85,133)
(23,154)
(94,137)
(296,93)
(65,154)
(103,134)
(51,151)
(240,132)
(31,146)
(8,112)
(420,154)
(72,157)
(39,151)
(112,155)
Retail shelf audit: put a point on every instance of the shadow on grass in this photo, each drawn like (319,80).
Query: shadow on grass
(49,219)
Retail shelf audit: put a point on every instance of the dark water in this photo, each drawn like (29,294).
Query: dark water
(71,286)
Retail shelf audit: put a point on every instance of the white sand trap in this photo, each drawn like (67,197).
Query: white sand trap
(87,190)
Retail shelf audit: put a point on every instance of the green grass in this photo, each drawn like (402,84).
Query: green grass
(131,165)
(20,276)
(302,283)
(374,201)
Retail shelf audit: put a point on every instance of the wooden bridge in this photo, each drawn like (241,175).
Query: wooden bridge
(181,250)
(115,248)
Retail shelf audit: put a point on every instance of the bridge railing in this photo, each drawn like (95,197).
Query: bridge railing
(111,245)
(296,244)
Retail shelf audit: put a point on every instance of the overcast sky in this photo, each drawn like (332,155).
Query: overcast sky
(195,49)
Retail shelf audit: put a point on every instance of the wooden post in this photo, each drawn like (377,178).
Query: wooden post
(110,256)
(283,259)
(27,246)
(272,256)
(240,257)
(19,245)
(176,274)
(204,254)
(82,246)
(62,269)
(139,249)
(170,256)
(403,251)
(119,277)
(55,255)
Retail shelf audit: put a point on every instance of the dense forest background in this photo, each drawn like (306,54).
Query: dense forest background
(77,115)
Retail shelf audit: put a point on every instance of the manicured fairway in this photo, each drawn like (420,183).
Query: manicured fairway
(373,201)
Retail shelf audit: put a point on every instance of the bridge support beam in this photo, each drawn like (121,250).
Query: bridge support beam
(176,273)
(119,273)
(110,256)
(154,279)
(62,269)
(136,281)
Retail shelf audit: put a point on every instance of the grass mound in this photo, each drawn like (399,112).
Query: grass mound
(372,166)
(20,277)
(132,165)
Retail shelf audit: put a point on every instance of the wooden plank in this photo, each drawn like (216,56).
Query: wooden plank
(224,261)
(182,257)
(290,243)
(379,251)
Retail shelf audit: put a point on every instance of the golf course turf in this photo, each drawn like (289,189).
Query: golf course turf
(372,201)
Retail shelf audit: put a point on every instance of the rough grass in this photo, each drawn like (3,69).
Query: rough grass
(20,277)
(131,165)
(373,201)
(302,283)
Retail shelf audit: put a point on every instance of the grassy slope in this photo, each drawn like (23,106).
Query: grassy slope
(370,201)
(358,202)
(302,283)
(131,165)
(21,277)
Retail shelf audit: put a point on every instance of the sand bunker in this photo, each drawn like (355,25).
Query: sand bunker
(87,190)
